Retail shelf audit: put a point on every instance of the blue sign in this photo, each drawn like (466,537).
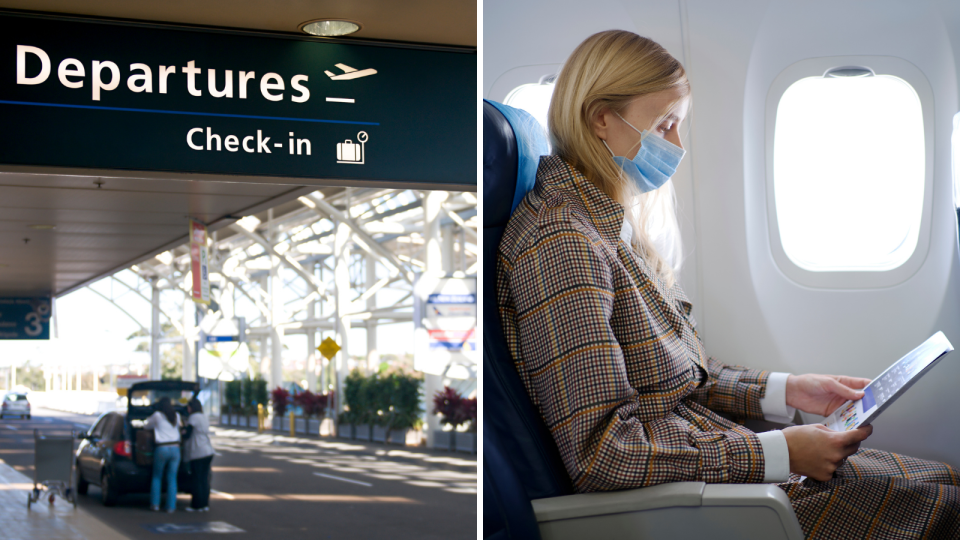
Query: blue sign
(218,339)
(25,318)
(187,528)
(438,298)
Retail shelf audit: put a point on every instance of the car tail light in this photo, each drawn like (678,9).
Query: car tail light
(122,448)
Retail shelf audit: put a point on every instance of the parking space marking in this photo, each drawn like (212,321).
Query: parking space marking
(330,476)
(182,528)
(222,494)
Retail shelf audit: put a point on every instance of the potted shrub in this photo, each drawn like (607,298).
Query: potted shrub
(380,392)
(281,400)
(356,415)
(249,395)
(306,401)
(232,394)
(404,411)
(313,406)
(448,404)
(466,441)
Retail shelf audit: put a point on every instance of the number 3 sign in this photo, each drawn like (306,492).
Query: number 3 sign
(25,318)
(38,319)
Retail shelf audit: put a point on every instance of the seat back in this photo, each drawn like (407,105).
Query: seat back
(513,142)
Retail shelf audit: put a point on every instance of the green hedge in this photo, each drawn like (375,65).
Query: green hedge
(241,396)
(232,395)
(390,399)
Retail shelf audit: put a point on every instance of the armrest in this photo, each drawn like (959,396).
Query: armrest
(675,510)
(756,496)
(616,502)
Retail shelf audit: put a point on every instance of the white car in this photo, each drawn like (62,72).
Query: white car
(15,404)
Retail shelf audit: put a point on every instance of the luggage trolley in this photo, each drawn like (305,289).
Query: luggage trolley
(53,467)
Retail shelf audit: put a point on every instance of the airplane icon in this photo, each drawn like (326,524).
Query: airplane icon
(350,73)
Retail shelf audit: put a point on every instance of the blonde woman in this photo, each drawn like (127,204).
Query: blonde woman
(606,346)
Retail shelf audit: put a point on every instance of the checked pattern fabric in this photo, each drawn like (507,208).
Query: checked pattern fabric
(612,360)
(609,355)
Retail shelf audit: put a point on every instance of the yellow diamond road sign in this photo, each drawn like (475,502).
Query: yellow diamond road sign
(328,348)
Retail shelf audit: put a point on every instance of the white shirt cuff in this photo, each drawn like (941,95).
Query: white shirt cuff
(774,401)
(776,456)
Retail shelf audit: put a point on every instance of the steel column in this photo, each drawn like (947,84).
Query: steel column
(155,330)
(434,260)
(341,273)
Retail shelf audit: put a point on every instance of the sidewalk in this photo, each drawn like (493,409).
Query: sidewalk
(42,521)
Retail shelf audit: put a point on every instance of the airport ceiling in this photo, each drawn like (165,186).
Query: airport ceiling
(440,22)
(102,224)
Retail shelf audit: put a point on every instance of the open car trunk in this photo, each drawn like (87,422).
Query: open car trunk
(142,399)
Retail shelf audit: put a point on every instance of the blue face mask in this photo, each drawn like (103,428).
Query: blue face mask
(656,160)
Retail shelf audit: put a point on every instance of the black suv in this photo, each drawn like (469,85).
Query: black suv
(107,453)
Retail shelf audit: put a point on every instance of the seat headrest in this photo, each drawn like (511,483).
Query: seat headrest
(513,142)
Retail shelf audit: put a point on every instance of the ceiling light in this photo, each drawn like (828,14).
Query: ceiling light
(43,227)
(329,27)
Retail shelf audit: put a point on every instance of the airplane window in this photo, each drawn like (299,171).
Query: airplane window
(533,98)
(848,172)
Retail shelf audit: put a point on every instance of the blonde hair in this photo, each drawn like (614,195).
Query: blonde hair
(608,71)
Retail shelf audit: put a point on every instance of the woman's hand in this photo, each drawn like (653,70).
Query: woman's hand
(817,451)
(822,394)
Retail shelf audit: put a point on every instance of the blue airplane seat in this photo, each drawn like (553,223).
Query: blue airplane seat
(507,512)
(513,142)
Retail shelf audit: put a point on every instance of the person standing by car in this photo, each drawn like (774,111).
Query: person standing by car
(198,453)
(166,456)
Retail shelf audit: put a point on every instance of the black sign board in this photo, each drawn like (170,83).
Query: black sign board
(92,94)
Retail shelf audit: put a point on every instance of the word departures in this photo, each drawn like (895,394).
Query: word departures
(105,76)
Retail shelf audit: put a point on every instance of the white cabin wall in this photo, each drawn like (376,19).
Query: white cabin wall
(856,332)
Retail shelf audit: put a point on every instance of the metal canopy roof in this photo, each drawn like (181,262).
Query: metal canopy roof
(106,223)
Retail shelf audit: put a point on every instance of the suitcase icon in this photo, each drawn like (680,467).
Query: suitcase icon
(347,151)
(353,154)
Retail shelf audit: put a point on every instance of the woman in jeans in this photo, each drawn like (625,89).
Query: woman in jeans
(198,453)
(166,456)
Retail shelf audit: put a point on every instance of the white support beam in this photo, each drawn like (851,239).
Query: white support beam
(460,221)
(341,272)
(364,240)
(148,300)
(261,307)
(433,257)
(188,370)
(275,287)
(116,305)
(294,265)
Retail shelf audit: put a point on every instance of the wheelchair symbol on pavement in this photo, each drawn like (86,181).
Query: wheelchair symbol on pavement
(354,154)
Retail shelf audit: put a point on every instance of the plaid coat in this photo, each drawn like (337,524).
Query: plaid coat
(611,358)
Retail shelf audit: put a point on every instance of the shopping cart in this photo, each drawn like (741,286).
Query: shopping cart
(53,467)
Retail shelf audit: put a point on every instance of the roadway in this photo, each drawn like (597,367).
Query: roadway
(280,487)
